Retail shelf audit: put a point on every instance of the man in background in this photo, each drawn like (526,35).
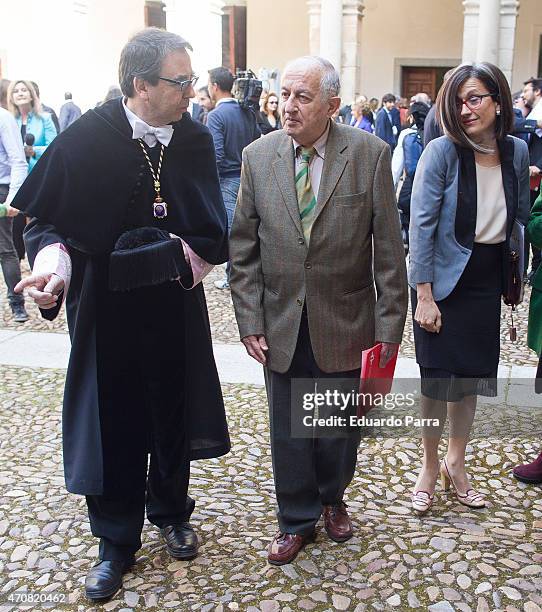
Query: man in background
(69,112)
(233,128)
(388,121)
(532,96)
(206,104)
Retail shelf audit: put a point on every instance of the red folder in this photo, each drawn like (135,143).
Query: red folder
(534,182)
(374,379)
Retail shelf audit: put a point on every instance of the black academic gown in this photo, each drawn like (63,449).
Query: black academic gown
(141,367)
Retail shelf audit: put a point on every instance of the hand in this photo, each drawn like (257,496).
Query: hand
(44,289)
(11,212)
(29,151)
(534,171)
(389,350)
(256,347)
(428,315)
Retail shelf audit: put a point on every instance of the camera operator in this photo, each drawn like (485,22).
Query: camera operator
(233,127)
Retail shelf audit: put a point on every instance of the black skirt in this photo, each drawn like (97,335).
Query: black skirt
(463,358)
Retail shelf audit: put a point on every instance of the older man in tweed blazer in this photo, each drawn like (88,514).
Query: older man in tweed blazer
(318,275)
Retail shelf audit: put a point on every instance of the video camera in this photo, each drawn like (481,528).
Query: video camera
(247,90)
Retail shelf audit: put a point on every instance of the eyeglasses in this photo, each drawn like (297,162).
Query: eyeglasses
(275,102)
(473,102)
(184,85)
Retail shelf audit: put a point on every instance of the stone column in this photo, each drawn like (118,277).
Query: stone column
(331,18)
(488,31)
(314,9)
(507,36)
(471,9)
(351,50)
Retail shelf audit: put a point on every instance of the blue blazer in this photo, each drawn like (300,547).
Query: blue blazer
(383,127)
(44,131)
(443,209)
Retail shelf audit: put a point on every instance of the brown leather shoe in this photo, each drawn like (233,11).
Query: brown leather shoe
(285,547)
(337,522)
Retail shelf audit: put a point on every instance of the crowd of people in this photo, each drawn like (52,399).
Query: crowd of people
(300,200)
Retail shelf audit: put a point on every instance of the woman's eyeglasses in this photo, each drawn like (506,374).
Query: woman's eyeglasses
(184,85)
(473,102)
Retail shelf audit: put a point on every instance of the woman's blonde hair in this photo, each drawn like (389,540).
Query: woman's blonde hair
(34,100)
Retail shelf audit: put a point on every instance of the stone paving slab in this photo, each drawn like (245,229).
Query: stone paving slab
(37,349)
(224,328)
(452,559)
(34,349)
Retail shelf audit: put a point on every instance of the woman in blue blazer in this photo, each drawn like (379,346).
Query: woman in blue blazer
(471,186)
(25,106)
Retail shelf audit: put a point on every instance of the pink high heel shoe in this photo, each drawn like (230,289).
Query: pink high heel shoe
(421,501)
(471,499)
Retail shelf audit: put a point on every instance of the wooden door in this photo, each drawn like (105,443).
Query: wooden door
(417,80)
(234,38)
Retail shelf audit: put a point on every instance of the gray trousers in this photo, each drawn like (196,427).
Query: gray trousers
(309,472)
(11,267)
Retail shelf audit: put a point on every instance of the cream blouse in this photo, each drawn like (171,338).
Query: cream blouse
(491,211)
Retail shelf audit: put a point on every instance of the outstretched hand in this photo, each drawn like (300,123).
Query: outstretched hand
(44,289)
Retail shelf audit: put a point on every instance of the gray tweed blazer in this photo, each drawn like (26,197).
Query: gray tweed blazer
(352,277)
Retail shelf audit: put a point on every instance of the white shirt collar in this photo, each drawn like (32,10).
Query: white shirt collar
(319,145)
(151,135)
(225,100)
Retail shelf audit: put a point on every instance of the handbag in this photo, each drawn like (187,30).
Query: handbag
(513,290)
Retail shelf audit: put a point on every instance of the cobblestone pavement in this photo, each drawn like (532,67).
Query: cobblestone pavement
(224,327)
(453,559)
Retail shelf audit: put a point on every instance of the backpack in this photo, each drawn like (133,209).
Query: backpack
(412,149)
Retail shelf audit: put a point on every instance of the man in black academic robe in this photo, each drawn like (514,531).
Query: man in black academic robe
(141,378)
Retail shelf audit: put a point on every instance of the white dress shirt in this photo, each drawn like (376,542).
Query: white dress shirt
(13,165)
(151,135)
(536,115)
(317,162)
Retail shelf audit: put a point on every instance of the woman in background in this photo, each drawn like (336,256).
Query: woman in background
(26,108)
(269,118)
(37,132)
(363,116)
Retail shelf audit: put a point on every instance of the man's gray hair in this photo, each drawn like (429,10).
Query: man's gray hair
(330,81)
(143,55)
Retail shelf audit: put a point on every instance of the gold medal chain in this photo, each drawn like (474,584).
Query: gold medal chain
(155,175)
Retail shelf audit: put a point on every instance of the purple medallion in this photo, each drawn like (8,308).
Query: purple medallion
(160,210)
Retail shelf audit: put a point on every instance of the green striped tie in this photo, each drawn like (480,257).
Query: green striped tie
(306,199)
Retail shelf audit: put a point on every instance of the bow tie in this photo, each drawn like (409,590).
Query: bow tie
(151,134)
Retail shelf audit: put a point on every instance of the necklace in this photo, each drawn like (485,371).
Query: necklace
(159,206)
